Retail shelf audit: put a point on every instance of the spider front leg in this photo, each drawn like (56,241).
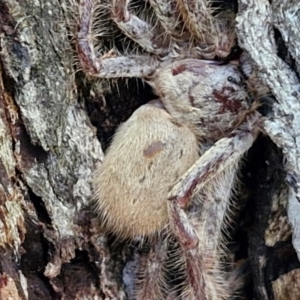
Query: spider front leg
(214,32)
(144,34)
(109,65)
(168,15)
(199,232)
(196,13)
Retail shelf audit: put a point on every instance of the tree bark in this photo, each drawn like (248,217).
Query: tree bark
(52,122)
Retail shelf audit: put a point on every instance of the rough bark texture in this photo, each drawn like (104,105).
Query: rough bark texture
(50,243)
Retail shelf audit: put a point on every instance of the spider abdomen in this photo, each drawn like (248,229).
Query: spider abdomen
(148,155)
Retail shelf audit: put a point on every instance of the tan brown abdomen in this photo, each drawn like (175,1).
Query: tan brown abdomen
(149,153)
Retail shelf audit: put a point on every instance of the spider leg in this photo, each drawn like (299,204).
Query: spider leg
(167,13)
(109,65)
(215,160)
(199,233)
(198,17)
(224,38)
(211,221)
(202,242)
(146,35)
(151,271)
(188,239)
(214,32)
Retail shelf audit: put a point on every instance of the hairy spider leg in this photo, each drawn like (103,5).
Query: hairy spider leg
(143,33)
(109,65)
(204,276)
(151,280)
(214,32)
(169,17)
(222,154)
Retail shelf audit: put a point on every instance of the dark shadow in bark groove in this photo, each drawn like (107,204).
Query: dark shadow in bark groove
(265,183)
(33,263)
(107,110)
(78,275)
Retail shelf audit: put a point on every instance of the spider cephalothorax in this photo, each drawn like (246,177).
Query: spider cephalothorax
(206,96)
(171,167)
